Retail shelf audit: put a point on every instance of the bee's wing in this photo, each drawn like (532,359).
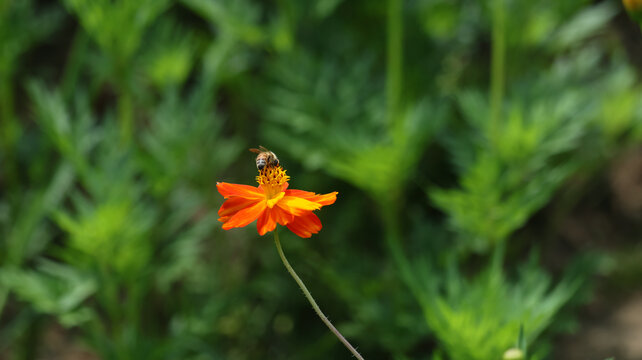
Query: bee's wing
(257,151)
(263,148)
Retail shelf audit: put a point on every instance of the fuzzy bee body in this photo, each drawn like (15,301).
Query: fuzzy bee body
(265,158)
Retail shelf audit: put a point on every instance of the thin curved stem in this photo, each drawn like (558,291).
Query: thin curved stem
(311,299)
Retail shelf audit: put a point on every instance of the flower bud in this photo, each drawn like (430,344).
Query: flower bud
(634,8)
(513,354)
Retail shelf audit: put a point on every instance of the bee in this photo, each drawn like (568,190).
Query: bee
(265,158)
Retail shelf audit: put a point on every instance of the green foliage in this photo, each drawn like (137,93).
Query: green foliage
(53,289)
(20,27)
(117,118)
(511,173)
(324,101)
(479,318)
(106,21)
(131,228)
(236,19)
(169,59)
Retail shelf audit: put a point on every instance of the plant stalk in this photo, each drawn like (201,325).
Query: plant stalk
(392,234)
(125,116)
(498,57)
(394,65)
(9,132)
(308,296)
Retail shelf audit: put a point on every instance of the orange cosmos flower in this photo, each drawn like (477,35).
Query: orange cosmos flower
(271,203)
(632,5)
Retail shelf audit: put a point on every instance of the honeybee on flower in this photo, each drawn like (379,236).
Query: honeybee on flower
(265,157)
(271,202)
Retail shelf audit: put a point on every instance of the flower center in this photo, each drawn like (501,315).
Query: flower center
(271,179)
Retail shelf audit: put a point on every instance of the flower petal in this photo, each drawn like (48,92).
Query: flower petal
(325,199)
(234,204)
(244,191)
(321,199)
(273,201)
(305,225)
(281,216)
(245,216)
(297,206)
(266,222)
(299,193)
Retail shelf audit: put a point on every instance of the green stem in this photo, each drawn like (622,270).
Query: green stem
(31,336)
(394,70)
(125,115)
(74,64)
(393,241)
(497,258)
(3,298)
(311,299)
(9,131)
(497,66)
(109,300)
(125,102)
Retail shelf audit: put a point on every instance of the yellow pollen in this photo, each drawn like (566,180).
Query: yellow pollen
(272,176)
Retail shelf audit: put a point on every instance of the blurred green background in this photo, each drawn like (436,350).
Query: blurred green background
(486,155)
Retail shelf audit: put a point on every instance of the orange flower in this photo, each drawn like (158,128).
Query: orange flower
(632,5)
(271,203)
